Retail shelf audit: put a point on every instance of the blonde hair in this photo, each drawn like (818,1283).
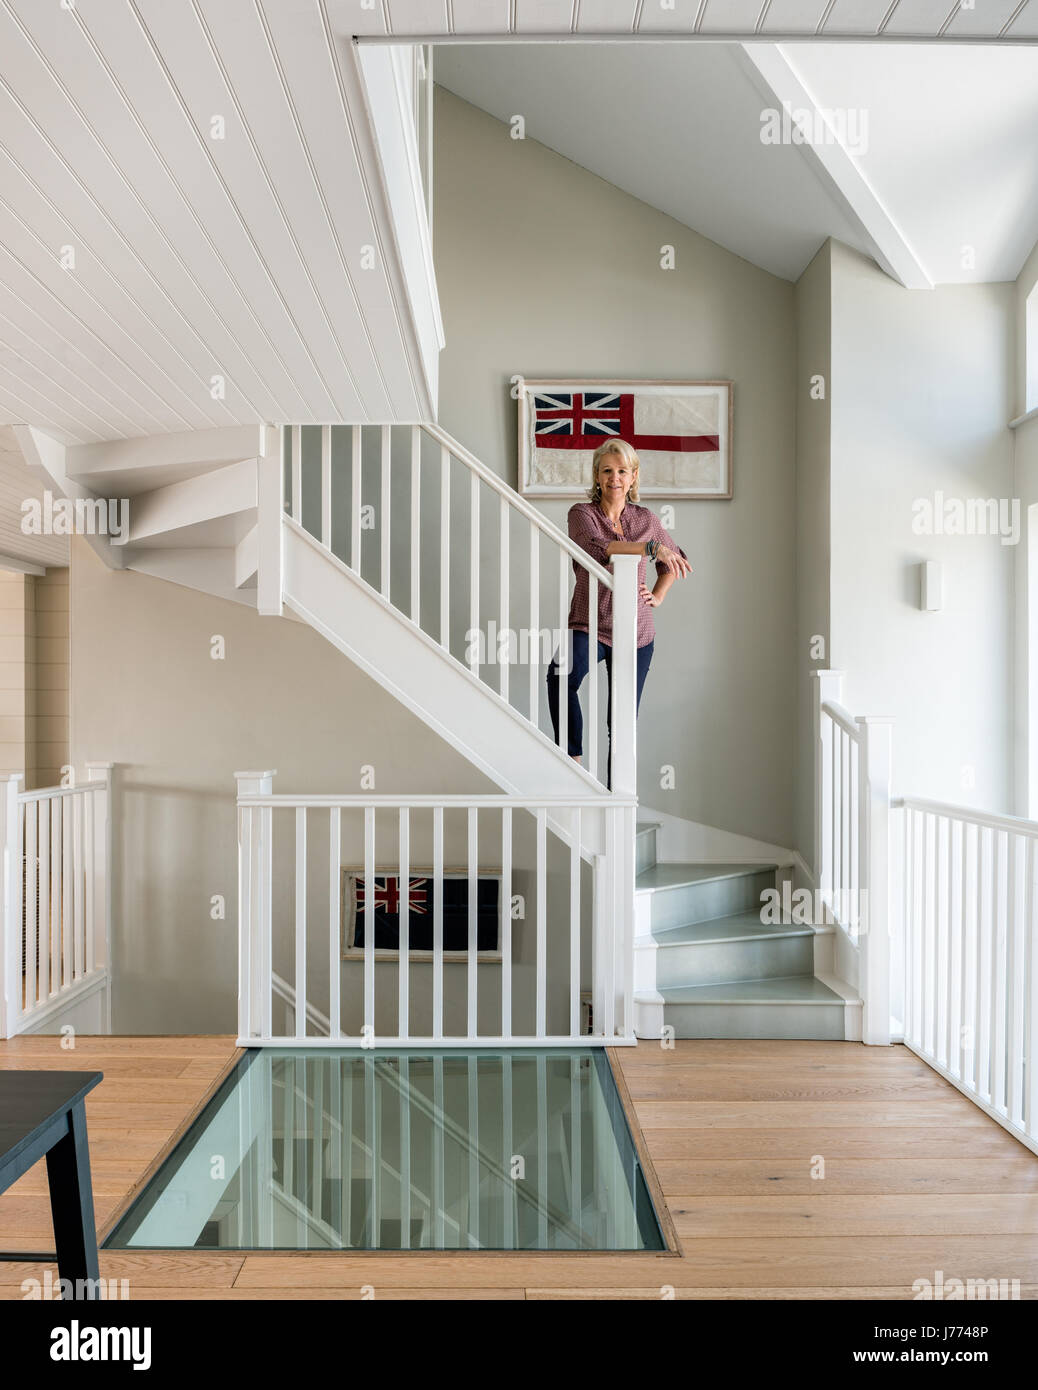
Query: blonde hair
(626,452)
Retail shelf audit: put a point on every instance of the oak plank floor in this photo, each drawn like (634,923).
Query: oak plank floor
(788,1170)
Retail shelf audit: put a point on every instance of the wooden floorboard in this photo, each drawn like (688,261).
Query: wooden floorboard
(784,1170)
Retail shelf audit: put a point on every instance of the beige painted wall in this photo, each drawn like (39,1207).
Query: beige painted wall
(814,417)
(148,697)
(922,394)
(546,270)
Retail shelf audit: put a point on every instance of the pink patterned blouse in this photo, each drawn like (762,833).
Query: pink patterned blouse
(591,530)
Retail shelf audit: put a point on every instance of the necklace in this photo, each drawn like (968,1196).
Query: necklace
(618,526)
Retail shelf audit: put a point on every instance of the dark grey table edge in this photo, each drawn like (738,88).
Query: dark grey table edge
(62,1137)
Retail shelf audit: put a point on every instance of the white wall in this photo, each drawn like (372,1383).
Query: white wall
(922,393)
(1025,485)
(546,270)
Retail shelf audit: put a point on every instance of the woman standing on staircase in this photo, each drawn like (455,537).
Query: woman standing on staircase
(612,524)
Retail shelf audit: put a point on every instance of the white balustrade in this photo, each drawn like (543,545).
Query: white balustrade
(564,925)
(56,912)
(970,912)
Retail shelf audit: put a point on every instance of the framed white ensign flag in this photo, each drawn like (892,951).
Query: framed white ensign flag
(680,430)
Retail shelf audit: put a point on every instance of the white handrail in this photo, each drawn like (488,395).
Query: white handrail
(430,800)
(1018,824)
(843,718)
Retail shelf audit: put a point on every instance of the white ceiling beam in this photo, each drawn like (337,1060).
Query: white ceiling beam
(778,82)
(226,444)
(16,566)
(47,455)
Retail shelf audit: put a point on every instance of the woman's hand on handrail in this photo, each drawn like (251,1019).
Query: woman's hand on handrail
(673,561)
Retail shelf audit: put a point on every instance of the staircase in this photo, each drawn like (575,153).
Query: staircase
(374,537)
(707,966)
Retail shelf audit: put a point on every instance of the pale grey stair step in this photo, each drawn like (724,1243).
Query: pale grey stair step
(737,947)
(684,893)
(798,1006)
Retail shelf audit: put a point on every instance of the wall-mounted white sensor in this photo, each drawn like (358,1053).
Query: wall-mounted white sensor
(930,586)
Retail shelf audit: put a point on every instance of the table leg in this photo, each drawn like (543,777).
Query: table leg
(72,1206)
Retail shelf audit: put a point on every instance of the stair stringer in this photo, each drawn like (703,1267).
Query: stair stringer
(437,689)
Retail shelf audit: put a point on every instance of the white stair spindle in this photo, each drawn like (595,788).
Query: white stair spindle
(505,653)
(445,552)
(65,860)
(437,921)
(473,919)
(562,653)
(384,510)
(79,966)
(542,925)
(534,644)
(506,922)
(43,810)
(404,956)
(369,921)
(335,921)
(356,478)
(591,731)
(56,979)
(326,486)
(985,875)
(300,962)
(416,525)
(297,474)
(474,557)
(1017,977)
(246,965)
(1000,974)
(574,926)
(32,930)
(89,885)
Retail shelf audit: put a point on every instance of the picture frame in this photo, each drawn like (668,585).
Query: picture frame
(348,916)
(691,421)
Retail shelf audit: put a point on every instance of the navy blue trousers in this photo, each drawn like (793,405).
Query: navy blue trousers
(578,670)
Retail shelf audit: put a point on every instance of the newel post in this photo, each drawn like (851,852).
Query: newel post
(828,687)
(11,925)
(255,912)
(623,743)
(874,822)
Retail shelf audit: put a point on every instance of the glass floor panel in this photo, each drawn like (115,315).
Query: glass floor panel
(418,1150)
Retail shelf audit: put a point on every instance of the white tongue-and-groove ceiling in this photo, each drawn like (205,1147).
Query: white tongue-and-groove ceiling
(186,195)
